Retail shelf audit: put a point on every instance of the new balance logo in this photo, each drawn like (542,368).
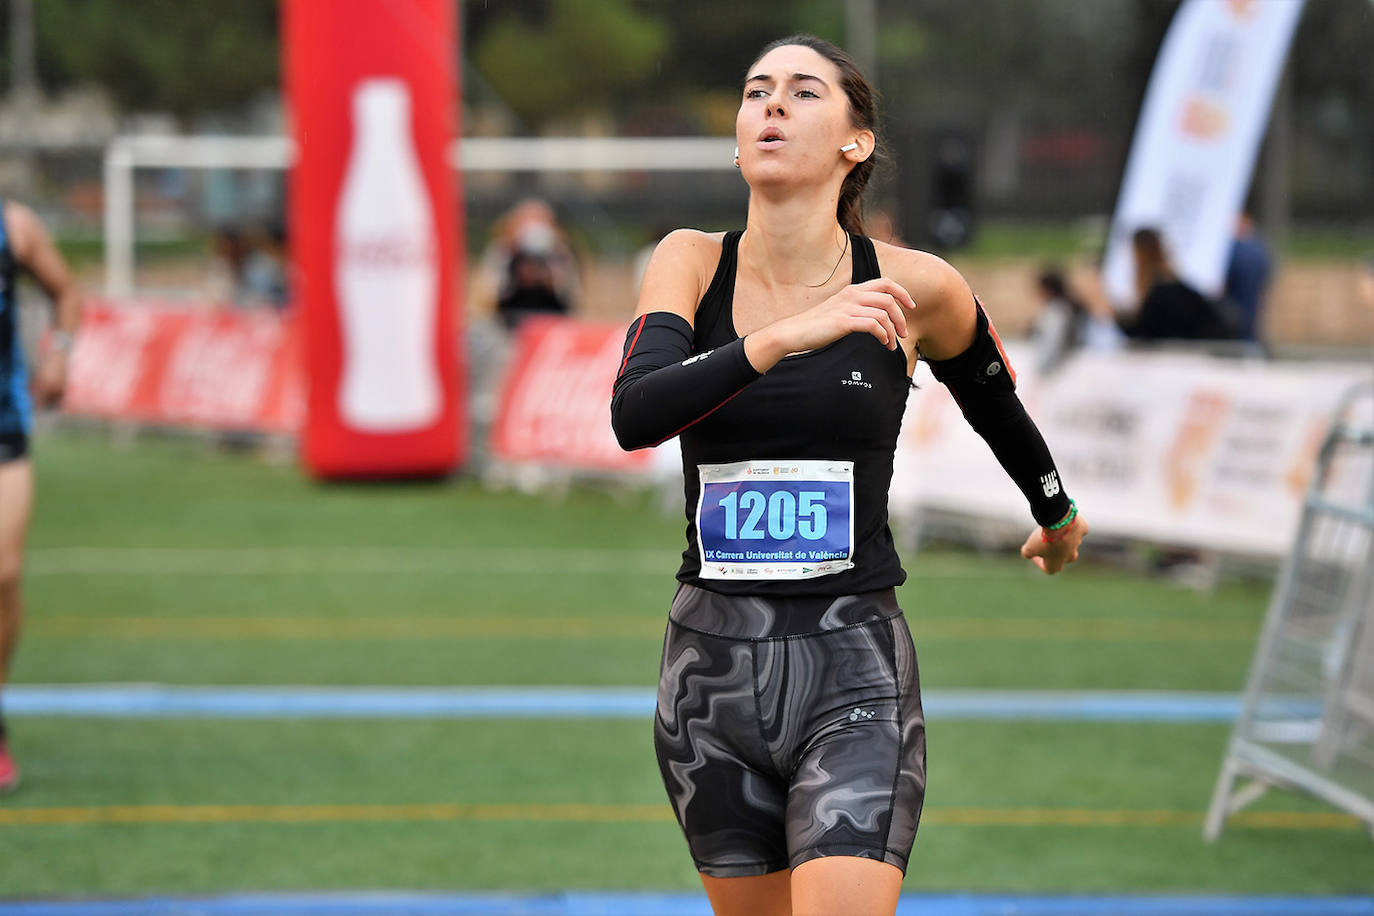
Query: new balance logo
(1049,483)
(698,358)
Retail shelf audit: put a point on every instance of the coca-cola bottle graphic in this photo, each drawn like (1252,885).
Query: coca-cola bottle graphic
(385,273)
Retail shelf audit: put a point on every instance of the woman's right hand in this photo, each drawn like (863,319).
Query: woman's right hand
(1051,552)
(876,307)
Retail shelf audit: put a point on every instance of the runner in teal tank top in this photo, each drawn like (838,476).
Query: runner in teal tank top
(24,244)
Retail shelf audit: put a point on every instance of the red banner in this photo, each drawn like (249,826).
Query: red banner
(373,94)
(214,368)
(556,398)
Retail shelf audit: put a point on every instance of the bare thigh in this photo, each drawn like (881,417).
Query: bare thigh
(16,507)
(829,886)
(758,895)
(845,886)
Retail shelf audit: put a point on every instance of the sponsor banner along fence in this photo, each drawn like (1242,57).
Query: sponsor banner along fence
(1171,448)
(555,406)
(1174,448)
(187,366)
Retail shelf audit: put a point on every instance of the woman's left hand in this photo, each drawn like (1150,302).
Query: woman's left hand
(1051,551)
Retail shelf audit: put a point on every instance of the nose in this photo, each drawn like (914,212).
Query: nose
(774,106)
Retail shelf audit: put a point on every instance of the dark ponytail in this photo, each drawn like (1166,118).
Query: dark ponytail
(863,115)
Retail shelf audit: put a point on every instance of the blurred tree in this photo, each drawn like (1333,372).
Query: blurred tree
(709,56)
(949,59)
(691,81)
(1331,50)
(548,60)
(182,56)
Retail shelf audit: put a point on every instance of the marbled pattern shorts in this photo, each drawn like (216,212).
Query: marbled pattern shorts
(806,742)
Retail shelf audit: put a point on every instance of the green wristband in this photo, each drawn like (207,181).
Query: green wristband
(1068,519)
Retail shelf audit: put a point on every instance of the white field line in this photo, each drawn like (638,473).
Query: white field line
(213,561)
(524,561)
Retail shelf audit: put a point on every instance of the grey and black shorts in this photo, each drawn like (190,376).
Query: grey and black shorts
(806,742)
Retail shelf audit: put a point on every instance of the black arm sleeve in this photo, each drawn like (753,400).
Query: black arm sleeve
(662,388)
(984,386)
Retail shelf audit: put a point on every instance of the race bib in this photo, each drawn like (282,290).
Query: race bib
(776,519)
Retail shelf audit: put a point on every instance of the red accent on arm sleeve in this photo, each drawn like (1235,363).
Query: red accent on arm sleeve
(663,387)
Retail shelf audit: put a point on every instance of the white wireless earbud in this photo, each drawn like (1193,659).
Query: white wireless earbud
(737,152)
(849,146)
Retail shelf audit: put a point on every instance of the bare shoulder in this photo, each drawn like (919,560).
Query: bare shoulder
(944,315)
(679,272)
(690,245)
(925,276)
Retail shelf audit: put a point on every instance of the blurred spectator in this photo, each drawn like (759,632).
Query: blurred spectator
(528,268)
(1169,309)
(263,278)
(1065,324)
(1249,269)
(224,278)
(249,268)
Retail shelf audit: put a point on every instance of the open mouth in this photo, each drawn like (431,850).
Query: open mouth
(771,135)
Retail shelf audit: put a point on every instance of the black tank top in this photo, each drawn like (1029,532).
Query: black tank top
(841,402)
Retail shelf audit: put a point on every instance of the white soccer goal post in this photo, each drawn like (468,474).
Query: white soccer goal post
(472,154)
(1307,717)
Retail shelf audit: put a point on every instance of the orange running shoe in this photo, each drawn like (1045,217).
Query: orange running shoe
(9,773)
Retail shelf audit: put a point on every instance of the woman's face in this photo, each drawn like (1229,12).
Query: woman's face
(793,119)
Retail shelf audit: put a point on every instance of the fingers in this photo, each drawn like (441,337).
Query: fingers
(1050,557)
(893,289)
(876,307)
(887,303)
(888,295)
(878,323)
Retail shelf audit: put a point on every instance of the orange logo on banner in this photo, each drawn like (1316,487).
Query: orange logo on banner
(1242,9)
(1204,120)
(1187,458)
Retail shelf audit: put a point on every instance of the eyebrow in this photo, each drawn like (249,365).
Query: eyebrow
(796,78)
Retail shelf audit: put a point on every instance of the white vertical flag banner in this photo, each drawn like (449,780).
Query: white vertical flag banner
(1198,135)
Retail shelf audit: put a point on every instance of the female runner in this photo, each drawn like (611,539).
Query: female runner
(789,729)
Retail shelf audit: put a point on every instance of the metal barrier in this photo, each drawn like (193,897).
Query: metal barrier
(1307,719)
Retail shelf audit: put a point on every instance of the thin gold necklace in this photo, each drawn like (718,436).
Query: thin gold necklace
(843,251)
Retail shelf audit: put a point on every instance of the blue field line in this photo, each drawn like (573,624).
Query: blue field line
(643,904)
(153,701)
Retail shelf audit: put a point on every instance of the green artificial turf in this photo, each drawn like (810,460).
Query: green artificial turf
(168,561)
